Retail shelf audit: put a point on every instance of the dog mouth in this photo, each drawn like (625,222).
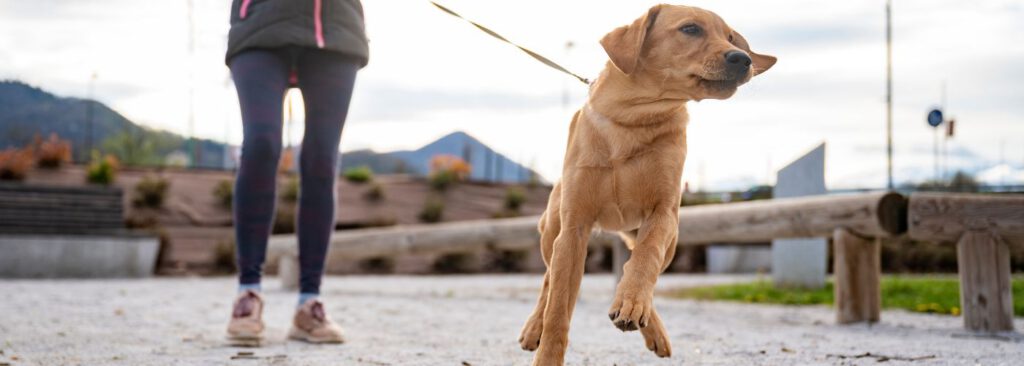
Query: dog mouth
(719,84)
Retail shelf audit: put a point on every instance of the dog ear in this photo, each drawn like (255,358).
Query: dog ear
(625,43)
(761,63)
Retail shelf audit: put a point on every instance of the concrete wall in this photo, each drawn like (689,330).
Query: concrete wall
(69,256)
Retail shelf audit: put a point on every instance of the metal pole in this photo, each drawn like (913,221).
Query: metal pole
(89,116)
(935,153)
(191,84)
(945,138)
(888,90)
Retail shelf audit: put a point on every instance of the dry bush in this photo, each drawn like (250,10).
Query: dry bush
(224,191)
(290,190)
(53,152)
(375,193)
(433,210)
(378,265)
(150,192)
(224,256)
(284,219)
(447,169)
(15,163)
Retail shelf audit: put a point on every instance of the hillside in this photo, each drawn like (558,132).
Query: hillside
(27,111)
(488,165)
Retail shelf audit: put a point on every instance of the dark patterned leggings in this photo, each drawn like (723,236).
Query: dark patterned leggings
(261,77)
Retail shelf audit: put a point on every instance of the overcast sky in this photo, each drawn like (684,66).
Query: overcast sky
(431,74)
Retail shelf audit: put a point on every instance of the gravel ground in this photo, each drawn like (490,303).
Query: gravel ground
(449,320)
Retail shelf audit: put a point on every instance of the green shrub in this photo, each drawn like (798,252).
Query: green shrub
(360,174)
(441,180)
(150,192)
(290,191)
(375,193)
(433,209)
(102,170)
(514,198)
(224,191)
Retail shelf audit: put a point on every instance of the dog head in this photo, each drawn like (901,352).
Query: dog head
(687,52)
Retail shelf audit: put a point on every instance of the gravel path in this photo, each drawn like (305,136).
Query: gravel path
(449,320)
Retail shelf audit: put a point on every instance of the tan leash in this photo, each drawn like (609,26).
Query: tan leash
(535,55)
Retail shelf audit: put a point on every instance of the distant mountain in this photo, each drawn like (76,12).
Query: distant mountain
(27,111)
(488,165)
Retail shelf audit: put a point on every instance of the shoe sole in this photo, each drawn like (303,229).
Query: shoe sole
(301,335)
(245,339)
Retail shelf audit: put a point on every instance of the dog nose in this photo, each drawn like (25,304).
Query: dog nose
(737,60)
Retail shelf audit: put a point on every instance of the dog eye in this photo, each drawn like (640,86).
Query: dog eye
(730,38)
(691,29)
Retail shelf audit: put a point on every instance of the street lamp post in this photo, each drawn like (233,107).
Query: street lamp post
(888,90)
(89,116)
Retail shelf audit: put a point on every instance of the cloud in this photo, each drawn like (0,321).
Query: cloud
(391,102)
(430,73)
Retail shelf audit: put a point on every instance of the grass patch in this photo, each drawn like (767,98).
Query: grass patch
(940,295)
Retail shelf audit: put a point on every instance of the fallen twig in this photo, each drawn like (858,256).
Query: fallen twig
(883,358)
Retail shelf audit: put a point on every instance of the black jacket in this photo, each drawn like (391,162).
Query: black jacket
(335,25)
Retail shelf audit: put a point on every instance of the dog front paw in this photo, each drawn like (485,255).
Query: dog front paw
(631,311)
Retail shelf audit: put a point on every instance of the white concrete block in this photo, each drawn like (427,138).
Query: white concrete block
(802,261)
(739,259)
(74,256)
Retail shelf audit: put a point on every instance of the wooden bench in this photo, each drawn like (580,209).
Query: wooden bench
(76,232)
(36,209)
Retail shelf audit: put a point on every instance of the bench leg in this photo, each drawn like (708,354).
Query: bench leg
(288,271)
(985,297)
(857,270)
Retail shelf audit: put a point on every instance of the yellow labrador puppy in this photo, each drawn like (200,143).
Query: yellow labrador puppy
(624,163)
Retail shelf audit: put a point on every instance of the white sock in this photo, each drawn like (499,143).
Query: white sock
(254,287)
(303,297)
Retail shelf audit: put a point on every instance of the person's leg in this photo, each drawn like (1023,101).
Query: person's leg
(326,80)
(261,78)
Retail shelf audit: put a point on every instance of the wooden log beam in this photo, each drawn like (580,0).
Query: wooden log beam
(875,214)
(945,217)
(867,214)
(455,237)
(985,296)
(857,270)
